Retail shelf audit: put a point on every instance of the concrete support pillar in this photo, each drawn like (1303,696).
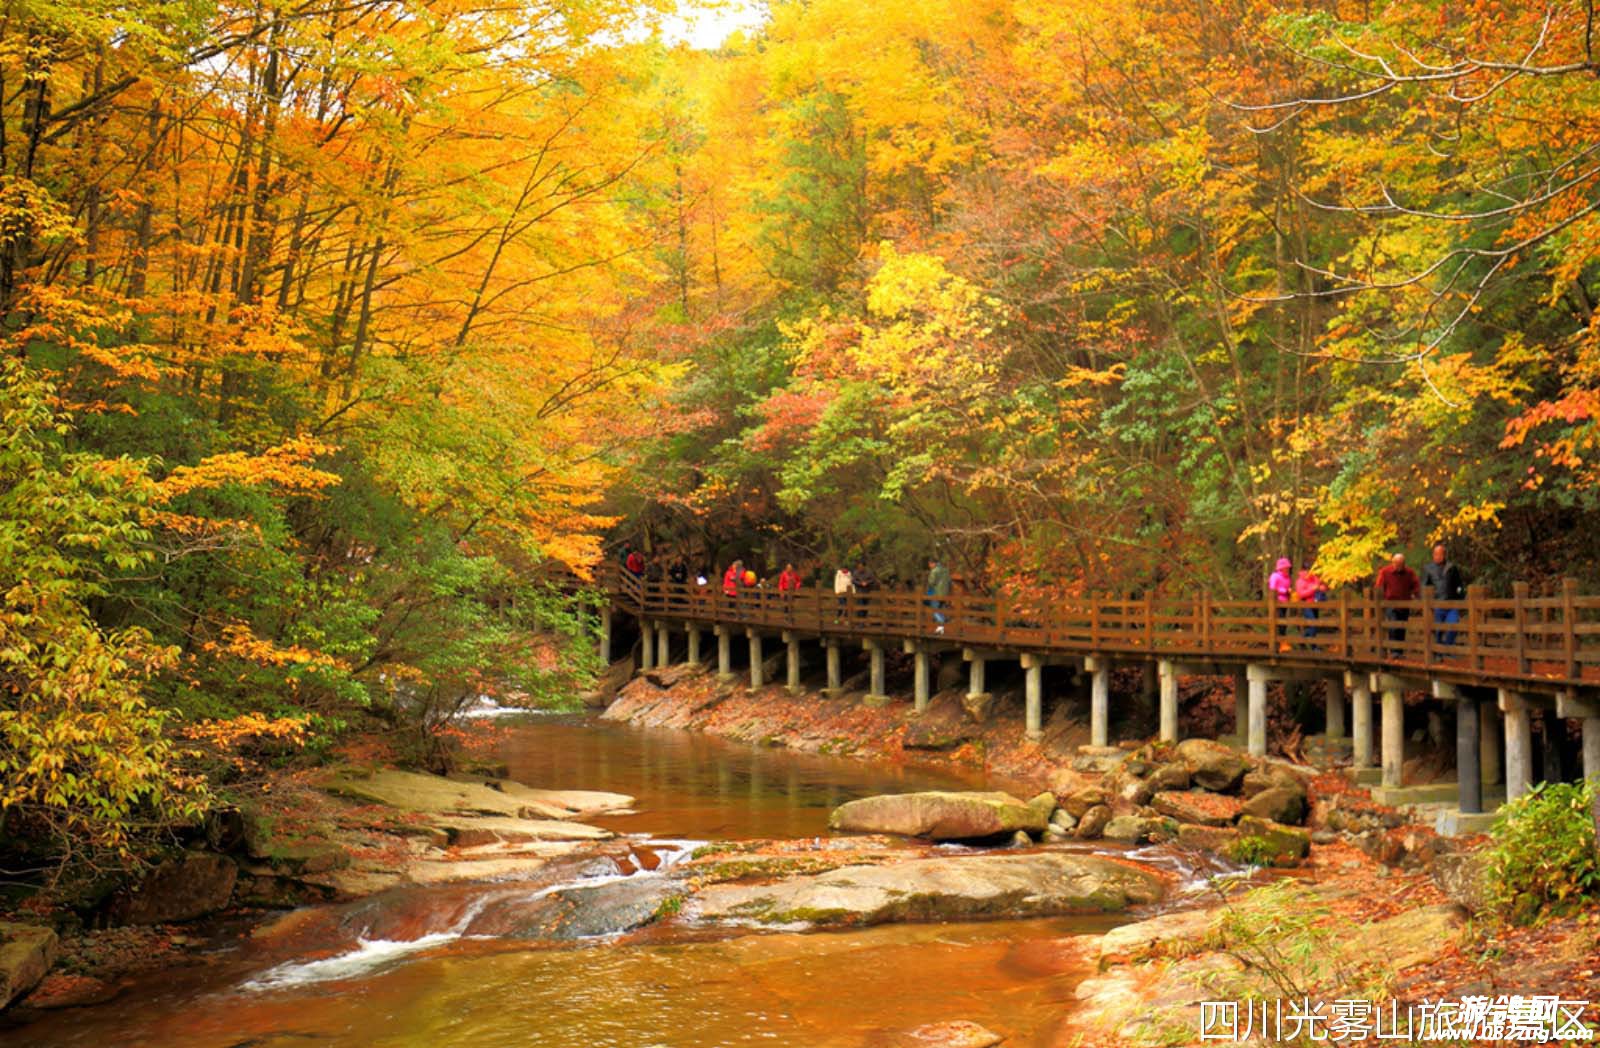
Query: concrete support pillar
(724,652)
(1167,679)
(975,681)
(663,645)
(875,655)
(1469,775)
(921,670)
(757,678)
(1099,670)
(605,634)
(647,644)
(1519,744)
(1553,763)
(1591,747)
(1361,719)
(1586,711)
(1256,715)
(792,662)
(1491,744)
(835,671)
(1394,736)
(1033,693)
(1241,704)
(1334,698)
(694,644)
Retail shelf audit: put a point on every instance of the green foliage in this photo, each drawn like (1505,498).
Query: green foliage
(1543,859)
(1287,941)
(1249,851)
(84,760)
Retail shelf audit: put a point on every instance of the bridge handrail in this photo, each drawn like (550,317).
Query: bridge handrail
(1551,639)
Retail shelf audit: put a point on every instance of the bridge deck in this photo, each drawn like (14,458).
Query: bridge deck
(1535,643)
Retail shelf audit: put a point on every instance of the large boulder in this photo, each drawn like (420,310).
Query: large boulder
(1197,806)
(1267,777)
(26,953)
(1035,884)
(1279,804)
(1136,829)
(1172,776)
(179,889)
(1094,822)
(1463,877)
(1212,765)
(1261,840)
(939,815)
(1082,799)
(1215,839)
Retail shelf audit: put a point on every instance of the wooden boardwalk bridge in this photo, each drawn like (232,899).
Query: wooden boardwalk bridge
(1499,662)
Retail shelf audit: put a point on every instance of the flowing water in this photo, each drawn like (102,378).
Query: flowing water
(478,965)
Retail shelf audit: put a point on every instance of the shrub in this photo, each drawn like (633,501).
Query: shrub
(1543,858)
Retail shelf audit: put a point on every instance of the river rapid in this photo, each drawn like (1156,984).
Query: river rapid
(457,965)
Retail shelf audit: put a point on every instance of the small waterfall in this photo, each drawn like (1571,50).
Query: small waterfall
(388,928)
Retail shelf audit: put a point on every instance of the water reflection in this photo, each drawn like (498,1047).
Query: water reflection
(694,785)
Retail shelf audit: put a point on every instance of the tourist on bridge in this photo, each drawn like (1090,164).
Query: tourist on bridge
(633,560)
(1397,582)
(1310,590)
(843,585)
(865,582)
(1281,584)
(788,579)
(678,573)
(733,579)
(1443,577)
(938,589)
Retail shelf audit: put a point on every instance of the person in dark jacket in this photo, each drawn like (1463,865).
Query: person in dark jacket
(1397,582)
(1443,578)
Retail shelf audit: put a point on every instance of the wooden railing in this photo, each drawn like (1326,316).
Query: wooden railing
(1552,639)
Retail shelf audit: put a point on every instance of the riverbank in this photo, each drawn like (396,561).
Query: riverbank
(313,837)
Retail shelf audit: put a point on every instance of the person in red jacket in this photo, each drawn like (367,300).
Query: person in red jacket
(635,563)
(732,579)
(1397,582)
(788,586)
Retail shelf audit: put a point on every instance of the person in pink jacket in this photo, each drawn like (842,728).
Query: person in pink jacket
(1281,583)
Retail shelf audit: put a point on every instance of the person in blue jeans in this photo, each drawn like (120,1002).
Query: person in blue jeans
(1444,578)
(938,589)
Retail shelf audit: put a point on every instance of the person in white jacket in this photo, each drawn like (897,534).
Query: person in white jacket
(843,584)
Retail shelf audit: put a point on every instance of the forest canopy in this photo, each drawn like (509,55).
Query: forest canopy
(342,340)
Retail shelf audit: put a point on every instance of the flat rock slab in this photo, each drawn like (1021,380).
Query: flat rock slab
(939,815)
(1167,934)
(955,887)
(578,802)
(468,831)
(553,804)
(429,794)
(530,859)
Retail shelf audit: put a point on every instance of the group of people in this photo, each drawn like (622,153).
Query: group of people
(1395,582)
(847,579)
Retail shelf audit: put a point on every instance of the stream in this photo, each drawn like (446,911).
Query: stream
(489,965)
